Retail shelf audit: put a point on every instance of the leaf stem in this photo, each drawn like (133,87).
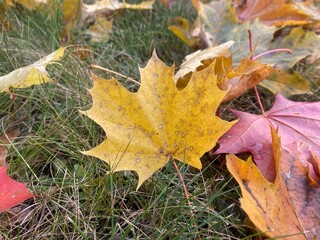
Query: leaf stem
(251,58)
(186,194)
(272,51)
(92,66)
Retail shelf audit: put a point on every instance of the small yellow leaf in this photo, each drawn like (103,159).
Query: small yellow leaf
(33,74)
(159,123)
(71,14)
(183,29)
(105,8)
(100,31)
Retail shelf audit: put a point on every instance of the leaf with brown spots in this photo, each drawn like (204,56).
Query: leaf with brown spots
(159,123)
(287,208)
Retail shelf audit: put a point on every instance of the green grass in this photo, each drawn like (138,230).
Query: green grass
(76,198)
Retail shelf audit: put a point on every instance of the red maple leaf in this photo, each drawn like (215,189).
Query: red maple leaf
(11,192)
(295,121)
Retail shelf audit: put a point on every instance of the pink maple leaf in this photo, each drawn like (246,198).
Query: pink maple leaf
(295,121)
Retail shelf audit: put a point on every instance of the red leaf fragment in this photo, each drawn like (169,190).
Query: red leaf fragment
(12,192)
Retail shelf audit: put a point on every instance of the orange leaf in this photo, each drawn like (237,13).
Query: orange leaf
(289,206)
(241,78)
(276,12)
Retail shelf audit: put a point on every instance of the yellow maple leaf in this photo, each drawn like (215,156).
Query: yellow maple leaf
(159,123)
(33,74)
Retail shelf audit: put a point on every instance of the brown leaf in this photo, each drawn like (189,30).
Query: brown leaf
(241,78)
(289,206)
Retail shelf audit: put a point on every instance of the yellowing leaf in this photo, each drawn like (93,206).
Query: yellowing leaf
(191,34)
(196,60)
(241,78)
(29,4)
(159,123)
(33,74)
(71,14)
(277,12)
(286,82)
(107,7)
(100,31)
(289,206)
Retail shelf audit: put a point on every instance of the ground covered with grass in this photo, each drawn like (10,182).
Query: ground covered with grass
(76,197)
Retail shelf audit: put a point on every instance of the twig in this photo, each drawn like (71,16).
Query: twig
(113,72)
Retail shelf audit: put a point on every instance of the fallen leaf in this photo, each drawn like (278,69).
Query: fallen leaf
(193,35)
(29,4)
(286,208)
(105,8)
(185,31)
(159,123)
(220,21)
(295,121)
(33,74)
(286,82)
(71,12)
(276,12)
(100,31)
(241,78)
(195,60)
(12,192)
(234,80)
(6,139)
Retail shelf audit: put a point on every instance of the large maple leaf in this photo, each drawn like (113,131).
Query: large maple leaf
(295,121)
(159,123)
(288,207)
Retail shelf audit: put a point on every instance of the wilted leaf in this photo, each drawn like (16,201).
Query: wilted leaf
(105,8)
(71,10)
(277,12)
(241,78)
(234,80)
(33,74)
(295,121)
(200,58)
(288,207)
(12,192)
(193,35)
(30,4)
(286,82)
(159,123)
(220,21)
(100,31)
(185,31)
